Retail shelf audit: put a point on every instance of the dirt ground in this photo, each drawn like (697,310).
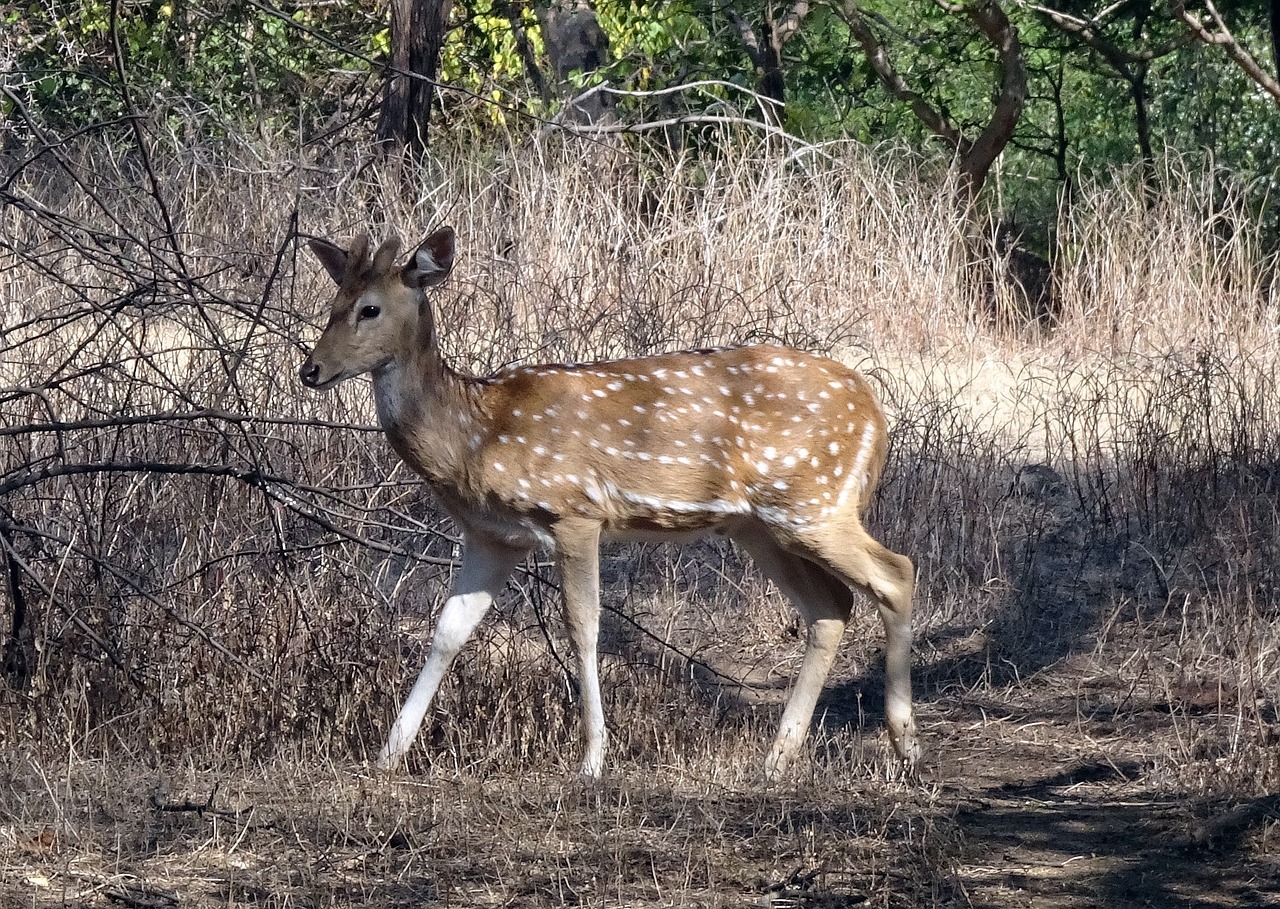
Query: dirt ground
(1055,810)
(1033,796)
(1044,822)
(1053,728)
(1051,781)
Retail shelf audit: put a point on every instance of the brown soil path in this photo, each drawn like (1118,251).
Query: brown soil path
(1063,813)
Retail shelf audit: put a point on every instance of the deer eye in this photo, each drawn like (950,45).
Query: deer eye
(370,312)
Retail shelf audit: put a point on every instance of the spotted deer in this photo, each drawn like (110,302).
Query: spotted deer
(777,449)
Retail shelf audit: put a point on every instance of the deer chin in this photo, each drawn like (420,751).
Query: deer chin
(329,383)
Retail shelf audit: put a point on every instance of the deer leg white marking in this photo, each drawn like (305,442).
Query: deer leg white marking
(485,569)
(578,548)
(824,603)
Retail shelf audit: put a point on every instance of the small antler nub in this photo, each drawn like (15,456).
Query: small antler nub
(358,257)
(385,258)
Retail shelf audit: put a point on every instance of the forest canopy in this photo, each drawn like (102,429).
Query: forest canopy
(1083,88)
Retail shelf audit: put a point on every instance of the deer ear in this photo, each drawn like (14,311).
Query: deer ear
(432,261)
(331,256)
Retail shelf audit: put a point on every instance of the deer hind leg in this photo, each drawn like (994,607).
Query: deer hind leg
(889,579)
(578,547)
(824,603)
(485,569)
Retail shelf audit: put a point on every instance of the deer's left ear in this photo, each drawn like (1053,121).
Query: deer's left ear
(432,261)
(331,256)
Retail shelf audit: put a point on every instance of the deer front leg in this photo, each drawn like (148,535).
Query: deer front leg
(578,546)
(485,569)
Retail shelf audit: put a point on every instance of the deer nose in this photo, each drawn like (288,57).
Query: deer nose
(310,374)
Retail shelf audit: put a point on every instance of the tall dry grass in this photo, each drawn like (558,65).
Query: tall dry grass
(212,565)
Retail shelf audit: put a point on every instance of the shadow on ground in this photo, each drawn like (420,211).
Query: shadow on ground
(1091,834)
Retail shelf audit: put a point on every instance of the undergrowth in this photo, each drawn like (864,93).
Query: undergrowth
(208,567)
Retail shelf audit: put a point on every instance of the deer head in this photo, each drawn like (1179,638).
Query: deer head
(380,312)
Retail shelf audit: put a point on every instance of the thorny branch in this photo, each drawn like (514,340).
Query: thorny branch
(148,373)
(99,410)
(82,436)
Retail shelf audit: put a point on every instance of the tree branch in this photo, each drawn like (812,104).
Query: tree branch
(747,34)
(790,23)
(996,27)
(1229,44)
(895,84)
(1089,33)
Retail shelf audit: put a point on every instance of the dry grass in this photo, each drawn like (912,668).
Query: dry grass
(238,586)
(291,833)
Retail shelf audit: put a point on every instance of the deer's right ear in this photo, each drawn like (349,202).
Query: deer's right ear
(432,261)
(333,258)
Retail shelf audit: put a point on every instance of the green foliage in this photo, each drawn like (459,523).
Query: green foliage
(1079,116)
(1207,105)
(242,62)
(225,55)
(652,42)
(482,56)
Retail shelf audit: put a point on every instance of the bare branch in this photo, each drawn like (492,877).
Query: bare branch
(896,85)
(189,416)
(688,120)
(1222,36)
(11,554)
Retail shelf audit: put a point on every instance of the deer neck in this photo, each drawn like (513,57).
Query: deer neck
(428,411)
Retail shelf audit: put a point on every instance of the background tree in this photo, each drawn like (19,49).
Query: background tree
(1127,40)
(1026,93)
(974,154)
(764,46)
(417,37)
(576,43)
(1216,32)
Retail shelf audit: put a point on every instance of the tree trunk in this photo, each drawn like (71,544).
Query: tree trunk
(417,35)
(1142,123)
(766,55)
(773,83)
(977,158)
(575,42)
(1060,140)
